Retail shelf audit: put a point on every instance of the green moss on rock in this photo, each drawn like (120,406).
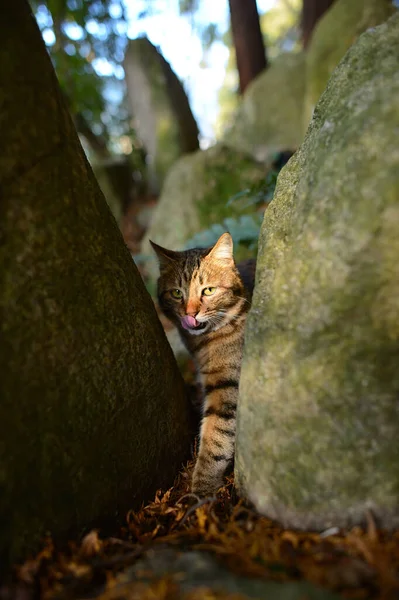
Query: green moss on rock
(93,415)
(336,31)
(318,432)
(269,118)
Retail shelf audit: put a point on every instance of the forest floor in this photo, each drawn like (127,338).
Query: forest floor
(231,550)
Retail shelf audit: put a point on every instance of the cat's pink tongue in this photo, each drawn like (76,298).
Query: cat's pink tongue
(189,322)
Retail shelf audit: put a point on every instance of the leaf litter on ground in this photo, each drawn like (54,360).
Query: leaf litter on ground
(358,564)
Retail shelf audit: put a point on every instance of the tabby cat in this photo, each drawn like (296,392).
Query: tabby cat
(202,292)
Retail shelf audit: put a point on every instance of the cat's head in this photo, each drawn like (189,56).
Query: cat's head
(200,290)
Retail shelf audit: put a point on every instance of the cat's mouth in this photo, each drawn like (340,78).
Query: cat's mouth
(191,323)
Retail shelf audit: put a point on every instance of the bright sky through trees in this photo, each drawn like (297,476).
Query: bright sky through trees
(179,40)
(181,46)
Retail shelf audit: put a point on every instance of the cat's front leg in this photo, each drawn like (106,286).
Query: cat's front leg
(217,437)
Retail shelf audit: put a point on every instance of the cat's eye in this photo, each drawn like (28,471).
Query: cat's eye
(208,291)
(177,294)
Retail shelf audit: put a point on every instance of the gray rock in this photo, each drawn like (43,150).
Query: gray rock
(318,427)
(93,417)
(160,109)
(193,571)
(336,31)
(270,116)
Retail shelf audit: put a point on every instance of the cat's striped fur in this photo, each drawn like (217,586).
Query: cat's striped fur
(202,292)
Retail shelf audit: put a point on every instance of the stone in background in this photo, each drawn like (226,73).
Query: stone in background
(269,118)
(160,109)
(277,107)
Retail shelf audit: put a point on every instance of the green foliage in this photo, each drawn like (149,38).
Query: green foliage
(244,229)
(258,194)
(86,41)
(83,88)
(280,27)
(188,6)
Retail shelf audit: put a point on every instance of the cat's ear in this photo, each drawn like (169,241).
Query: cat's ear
(164,256)
(223,249)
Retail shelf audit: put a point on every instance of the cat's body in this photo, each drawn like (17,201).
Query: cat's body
(202,292)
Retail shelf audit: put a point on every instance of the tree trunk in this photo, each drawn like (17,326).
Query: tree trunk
(312,10)
(92,409)
(248,41)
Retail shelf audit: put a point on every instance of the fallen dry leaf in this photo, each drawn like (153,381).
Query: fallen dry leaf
(91,544)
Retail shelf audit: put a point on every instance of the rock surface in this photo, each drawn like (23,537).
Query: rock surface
(195,196)
(198,572)
(336,31)
(159,107)
(115,178)
(269,119)
(93,417)
(317,441)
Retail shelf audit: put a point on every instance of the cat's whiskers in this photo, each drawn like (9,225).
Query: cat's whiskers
(216,319)
(243,298)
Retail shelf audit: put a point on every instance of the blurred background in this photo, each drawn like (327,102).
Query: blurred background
(187,109)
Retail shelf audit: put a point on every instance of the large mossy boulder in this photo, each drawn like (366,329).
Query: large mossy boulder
(336,31)
(93,417)
(160,109)
(196,194)
(318,427)
(269,119)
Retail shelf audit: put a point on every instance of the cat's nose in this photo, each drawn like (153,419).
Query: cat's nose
(191,310)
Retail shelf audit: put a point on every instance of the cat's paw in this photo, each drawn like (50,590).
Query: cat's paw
(204,487)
